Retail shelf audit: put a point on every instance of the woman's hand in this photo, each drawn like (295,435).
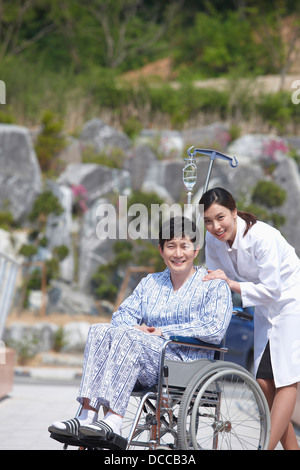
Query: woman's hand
(219,274)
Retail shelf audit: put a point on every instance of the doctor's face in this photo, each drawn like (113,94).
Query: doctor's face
(221,222)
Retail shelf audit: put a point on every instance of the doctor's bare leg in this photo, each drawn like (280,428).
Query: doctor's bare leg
(282,403)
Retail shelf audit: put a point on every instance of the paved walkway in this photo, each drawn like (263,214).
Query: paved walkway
(36,401)
(30,408)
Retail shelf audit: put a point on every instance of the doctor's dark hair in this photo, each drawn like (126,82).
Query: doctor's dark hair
(179,227)
(224,198)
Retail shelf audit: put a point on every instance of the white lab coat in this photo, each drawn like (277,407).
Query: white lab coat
(269,273)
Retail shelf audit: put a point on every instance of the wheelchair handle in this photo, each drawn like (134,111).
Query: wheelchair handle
(241,313)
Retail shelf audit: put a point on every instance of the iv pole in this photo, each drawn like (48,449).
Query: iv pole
(190,169)
(213,154)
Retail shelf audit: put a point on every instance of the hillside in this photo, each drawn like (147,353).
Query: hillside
(161,70)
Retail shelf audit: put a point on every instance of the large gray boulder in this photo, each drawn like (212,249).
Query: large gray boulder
(20,174)
(168,175)
(31,339)
(59,229)
(168,144)
(63,298)
(93,249)
(138,160)
(212,136)
(98,180)
(101,137)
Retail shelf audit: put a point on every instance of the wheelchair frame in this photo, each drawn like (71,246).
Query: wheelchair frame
(191,413)
(199,399)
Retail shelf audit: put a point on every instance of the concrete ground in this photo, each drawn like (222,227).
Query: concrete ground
(30,408)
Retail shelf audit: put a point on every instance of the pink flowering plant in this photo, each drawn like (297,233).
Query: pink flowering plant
(80,198)
(272,149)
(274,146)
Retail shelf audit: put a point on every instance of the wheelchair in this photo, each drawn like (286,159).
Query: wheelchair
(207,404)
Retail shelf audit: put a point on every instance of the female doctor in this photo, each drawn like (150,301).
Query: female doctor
(257,263)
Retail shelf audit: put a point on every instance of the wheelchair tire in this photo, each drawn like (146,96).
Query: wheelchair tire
(223,408)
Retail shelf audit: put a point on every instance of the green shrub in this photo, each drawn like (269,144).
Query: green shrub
(6,220)
(112,157)
(50,141)
(268,194)
(132,127)
(59,339)
(28,250)
(277,110)
(44,205)
(61,252)
(35,280)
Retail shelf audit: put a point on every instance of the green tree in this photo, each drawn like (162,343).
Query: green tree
(218,43)
(22,25)
(277,26)
(131,27)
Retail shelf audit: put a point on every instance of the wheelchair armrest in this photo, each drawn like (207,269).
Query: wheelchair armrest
(196,342)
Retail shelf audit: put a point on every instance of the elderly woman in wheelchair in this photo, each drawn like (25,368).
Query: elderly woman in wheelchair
(140,350)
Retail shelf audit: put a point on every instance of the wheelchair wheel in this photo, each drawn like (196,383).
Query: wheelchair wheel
(223,408)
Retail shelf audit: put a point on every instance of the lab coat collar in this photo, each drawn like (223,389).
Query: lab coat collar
(240,240)
(222,248)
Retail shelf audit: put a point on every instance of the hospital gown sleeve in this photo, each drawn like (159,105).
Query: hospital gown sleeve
(130,312)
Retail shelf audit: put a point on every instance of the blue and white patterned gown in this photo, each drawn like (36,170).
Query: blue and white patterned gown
(117,355)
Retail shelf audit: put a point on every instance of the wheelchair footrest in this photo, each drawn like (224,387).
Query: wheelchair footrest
(112,441)
(68,440)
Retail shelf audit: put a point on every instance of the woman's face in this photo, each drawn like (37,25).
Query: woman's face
(221,222)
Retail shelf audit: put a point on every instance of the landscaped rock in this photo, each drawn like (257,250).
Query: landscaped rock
(97,180)
(167,144)
(75,335)
(63,298)
(214,136)
(20,175)
(101,137)
(59,229)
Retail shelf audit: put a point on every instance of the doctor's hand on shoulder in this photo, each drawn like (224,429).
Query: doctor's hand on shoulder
(219,274)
